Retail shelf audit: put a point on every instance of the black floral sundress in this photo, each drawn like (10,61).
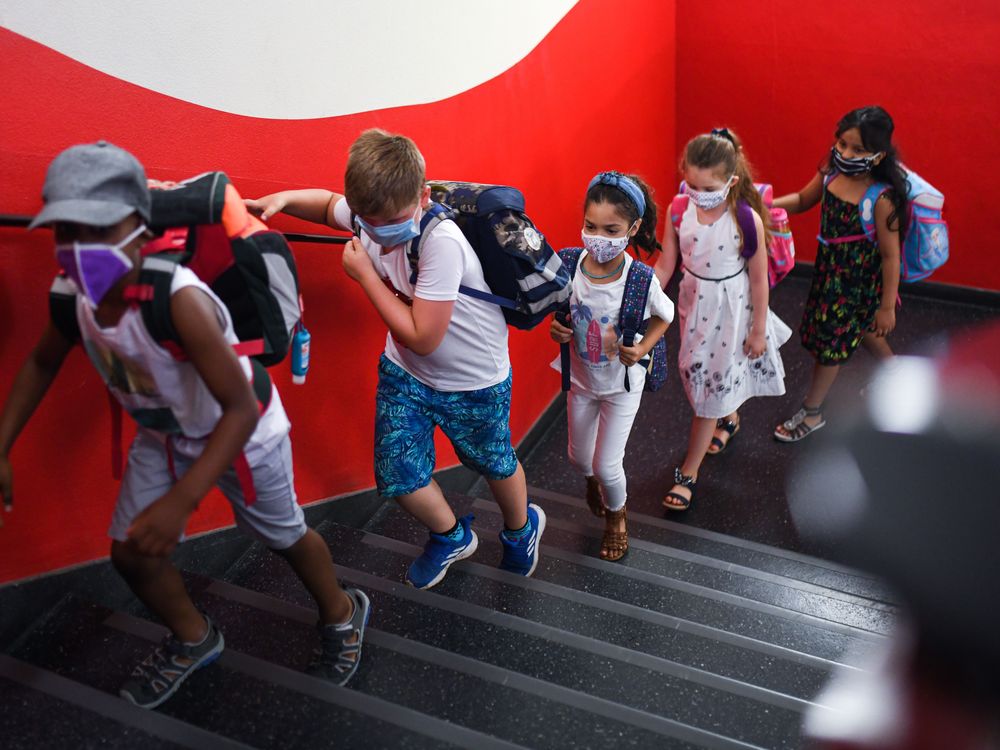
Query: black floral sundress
(846,286)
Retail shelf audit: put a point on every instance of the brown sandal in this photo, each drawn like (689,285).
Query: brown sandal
(614,544)
(595,500)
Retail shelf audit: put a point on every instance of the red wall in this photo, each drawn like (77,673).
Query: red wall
(547,125)
(782,72)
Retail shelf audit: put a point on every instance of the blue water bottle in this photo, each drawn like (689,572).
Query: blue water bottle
(300,354)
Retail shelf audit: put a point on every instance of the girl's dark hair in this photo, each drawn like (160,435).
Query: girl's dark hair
(645,238)
(722,150)
(876,127)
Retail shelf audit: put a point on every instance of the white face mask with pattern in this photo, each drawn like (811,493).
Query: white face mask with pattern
(707,200)
(604,249)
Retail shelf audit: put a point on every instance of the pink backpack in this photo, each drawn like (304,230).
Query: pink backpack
(781,248)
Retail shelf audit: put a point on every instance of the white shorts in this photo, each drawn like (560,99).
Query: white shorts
(275,518)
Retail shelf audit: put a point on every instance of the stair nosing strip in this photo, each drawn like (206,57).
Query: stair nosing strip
(113,707)
(658,664)
(715,536)
(637,612)
(353,700)
(593,531)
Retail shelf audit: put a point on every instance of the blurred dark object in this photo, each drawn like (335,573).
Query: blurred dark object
(909,489)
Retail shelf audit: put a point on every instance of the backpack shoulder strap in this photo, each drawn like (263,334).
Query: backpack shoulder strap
(677,208)
(748,228)
(633,308)
(866,209)
(434,215)
(62,307)
(152,294)
(630,316)
(570,257)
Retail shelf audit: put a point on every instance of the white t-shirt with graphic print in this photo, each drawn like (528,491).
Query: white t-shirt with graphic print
(473,353)
(595,368)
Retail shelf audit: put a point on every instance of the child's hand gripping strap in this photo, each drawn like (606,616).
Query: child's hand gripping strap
(634,298)
(570,257)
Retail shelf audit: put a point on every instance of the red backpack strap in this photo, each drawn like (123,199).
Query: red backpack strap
(116,435)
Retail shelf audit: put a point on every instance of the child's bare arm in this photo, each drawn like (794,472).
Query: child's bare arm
(803,200)
(666,264)
(888,243)
(756,342)
(313,204)
(419,328)
(30,386)
(156,530)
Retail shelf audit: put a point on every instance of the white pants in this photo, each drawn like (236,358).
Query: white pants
(599,427)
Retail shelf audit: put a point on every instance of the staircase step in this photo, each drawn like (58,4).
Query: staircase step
(439,682)
(578,542)
(596,584)
(237,700)
(746,554)
(516,629)
(44,709)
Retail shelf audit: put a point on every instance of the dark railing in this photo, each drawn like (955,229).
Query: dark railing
(16,220)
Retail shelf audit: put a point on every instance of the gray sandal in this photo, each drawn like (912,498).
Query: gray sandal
(796,428)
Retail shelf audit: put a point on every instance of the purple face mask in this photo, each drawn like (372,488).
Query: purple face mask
(96,267)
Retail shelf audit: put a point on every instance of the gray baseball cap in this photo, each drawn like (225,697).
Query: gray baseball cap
(97,184)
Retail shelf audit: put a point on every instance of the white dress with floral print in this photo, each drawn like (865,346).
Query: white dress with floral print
(715,319)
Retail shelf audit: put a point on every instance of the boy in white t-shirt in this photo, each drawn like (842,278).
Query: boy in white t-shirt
(445,362)
(200,423)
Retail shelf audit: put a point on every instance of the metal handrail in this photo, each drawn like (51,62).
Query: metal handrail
(17,220)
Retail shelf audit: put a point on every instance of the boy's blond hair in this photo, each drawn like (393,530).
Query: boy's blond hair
(385,174)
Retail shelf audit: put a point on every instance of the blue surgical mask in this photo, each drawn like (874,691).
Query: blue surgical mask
(96,267)
(390,235)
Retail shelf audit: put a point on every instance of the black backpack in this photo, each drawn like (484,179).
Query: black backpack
(526,278)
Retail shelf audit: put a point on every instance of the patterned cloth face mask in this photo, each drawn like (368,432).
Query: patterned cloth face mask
(391,235)
(855,165)
(707,200)
(96,267)
(604,249)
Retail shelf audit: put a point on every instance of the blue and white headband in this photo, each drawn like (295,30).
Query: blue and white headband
(623,183)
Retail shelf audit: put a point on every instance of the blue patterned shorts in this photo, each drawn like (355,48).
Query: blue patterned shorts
(406,411)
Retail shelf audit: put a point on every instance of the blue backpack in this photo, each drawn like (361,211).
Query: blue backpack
(925,247)
(630,320)
(526,278)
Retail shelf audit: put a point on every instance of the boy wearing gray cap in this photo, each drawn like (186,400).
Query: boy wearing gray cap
(199,421)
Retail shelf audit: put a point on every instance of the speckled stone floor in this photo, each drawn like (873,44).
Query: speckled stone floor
(742,491)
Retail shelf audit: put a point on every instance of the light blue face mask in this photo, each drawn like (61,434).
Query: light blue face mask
(390,235)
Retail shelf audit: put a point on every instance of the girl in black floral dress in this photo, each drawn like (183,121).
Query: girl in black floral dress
(852,299)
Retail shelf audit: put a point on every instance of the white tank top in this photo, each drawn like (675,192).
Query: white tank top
(163,394)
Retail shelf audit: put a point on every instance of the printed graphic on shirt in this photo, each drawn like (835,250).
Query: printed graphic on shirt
(596,338)
(123,375)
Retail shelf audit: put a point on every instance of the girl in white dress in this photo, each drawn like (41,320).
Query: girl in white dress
(729,338)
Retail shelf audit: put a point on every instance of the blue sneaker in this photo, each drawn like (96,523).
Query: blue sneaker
(440,552)
(521,556)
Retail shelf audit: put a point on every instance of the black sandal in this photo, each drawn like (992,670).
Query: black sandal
(684,481)
(730,426)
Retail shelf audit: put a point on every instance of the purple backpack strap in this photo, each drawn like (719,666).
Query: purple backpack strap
(748,228)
